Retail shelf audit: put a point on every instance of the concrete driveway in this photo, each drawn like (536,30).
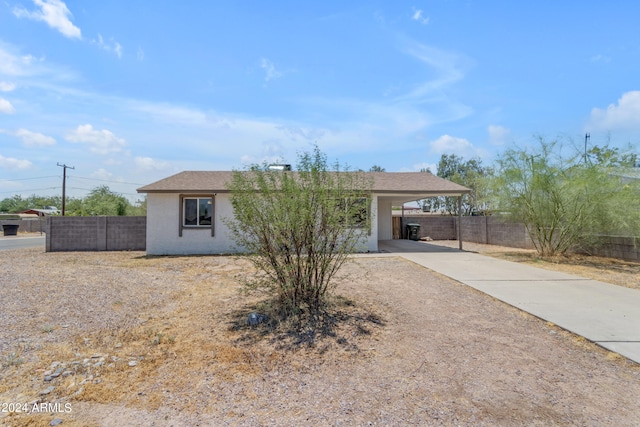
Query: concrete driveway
(606,314)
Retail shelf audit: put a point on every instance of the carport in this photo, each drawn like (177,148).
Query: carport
(396,189)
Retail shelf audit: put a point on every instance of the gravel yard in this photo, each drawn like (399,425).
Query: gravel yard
(118,338)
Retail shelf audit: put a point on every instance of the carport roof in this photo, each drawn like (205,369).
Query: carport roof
(419,184)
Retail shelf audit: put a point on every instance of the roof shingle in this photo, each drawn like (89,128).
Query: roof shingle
(383,182)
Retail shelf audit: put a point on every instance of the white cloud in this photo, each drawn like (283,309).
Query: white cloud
(7,87)
(11,163)
(111,46)
(623,116)
(306,134)
(140,54)
(34,139)
(150,164)
(600,58)
(15,65)
(270,70)
(102,174)
(498,134)
(55,13)
(6,107)
(100,141)
(448,69)
(422,166)
(448,144)
(418,16)
(248,159)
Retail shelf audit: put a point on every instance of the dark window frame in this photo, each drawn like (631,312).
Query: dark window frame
(182,207)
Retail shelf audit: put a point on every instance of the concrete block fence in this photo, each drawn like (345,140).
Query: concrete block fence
(477,229)
(27,225)
(626,248)
(496,231)
(96,233)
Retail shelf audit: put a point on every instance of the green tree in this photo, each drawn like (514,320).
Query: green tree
(377,168)
(611,157)
(471,174)
(13,204)
(17,203)
(73,207)
(564,202)
(300,226)
(139,208)
(102,201)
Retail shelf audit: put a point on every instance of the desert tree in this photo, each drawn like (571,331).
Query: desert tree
(564,202)
(300,226)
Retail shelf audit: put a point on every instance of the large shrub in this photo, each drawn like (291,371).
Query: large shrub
(300,226)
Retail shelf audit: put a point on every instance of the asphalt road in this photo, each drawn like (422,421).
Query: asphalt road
(18,242)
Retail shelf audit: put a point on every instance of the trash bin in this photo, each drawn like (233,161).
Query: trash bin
(10,229)
(413,231)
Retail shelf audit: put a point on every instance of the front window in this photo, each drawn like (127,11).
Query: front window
(356,210)
(197,211)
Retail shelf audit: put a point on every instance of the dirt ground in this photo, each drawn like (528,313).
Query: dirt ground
(119,339)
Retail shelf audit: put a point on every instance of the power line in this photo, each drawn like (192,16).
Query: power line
(91,189)
(33,189)
(80,188)
(26,179)
(104,180)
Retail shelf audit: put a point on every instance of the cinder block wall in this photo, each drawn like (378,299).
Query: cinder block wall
(96,233)
(618,247)
(30,225)
(474,229)
(477,229)
(126,233)
(437,227)
(496,231)
(504,233)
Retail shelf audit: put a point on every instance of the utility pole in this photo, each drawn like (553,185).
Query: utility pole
(64,184)
(586,139)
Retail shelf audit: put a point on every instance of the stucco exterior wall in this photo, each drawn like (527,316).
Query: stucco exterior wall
(384,220)
(372,237)
(163,228)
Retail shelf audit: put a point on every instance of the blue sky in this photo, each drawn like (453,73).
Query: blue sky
(129,92)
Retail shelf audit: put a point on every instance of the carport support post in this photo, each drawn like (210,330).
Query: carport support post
(460,222)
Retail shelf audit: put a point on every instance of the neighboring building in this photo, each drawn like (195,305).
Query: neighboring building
(47,210)
(185,211)
(627,175)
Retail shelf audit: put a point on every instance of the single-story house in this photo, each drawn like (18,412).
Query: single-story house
(185,211)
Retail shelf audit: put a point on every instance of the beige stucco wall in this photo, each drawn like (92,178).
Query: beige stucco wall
(163,225)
